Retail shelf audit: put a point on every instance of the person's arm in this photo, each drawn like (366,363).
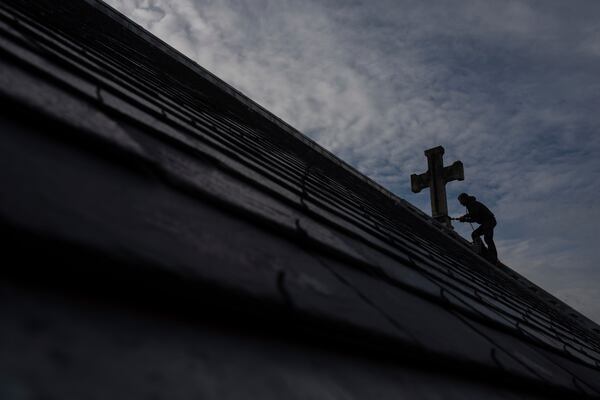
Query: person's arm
(465,218)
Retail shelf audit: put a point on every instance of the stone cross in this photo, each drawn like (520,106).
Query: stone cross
(436,178)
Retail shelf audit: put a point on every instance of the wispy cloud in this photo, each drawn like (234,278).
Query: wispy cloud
(510,88)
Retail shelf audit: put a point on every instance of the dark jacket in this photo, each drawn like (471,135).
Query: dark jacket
(477,212)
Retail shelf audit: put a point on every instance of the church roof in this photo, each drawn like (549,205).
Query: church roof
(161,221)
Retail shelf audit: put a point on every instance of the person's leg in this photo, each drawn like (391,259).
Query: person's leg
(488,237)
(477,233)
(477,243)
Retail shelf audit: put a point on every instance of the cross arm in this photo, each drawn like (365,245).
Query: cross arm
(454,172)
(419,182)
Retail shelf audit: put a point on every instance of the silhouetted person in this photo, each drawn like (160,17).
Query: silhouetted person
(477,212)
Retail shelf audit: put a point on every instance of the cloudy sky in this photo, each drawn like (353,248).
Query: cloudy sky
(511,88)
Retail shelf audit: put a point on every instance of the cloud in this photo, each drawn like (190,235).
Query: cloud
(510,88)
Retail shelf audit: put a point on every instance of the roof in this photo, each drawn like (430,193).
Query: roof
(150,201)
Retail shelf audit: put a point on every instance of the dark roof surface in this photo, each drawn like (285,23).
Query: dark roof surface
(119,150)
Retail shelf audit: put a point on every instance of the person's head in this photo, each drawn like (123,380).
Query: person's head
(463,199)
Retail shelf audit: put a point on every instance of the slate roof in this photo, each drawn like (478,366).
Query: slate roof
(139,185)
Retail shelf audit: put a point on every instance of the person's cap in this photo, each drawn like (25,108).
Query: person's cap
(463,196)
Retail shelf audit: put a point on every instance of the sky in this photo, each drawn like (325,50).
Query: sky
(510,88)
